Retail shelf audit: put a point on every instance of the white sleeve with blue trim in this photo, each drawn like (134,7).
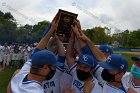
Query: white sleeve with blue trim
(97,73)
(128,83)
(18,85)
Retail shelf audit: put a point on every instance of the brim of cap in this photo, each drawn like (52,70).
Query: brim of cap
(107,66)
(84,63)
(58,64)
(135,58)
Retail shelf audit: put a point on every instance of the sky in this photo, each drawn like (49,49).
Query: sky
(115,14)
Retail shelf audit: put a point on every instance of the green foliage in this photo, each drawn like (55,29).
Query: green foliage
(6,27)
(10,32)
(8,16)
(128,39)
(97,35)
(39,29)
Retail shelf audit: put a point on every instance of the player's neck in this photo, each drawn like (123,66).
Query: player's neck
(136,81)
(116,84)
(35,77)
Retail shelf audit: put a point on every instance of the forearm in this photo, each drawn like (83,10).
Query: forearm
(47,30)
(70,48)
(70,53)
(42,44)
(81,43)
(9,90)
(96,52)
(61,49)
(79,52)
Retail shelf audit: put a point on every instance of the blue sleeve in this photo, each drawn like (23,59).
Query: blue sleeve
(86,50)
(47,29)
(61,59)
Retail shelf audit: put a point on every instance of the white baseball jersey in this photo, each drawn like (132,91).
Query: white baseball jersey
(128,83)
(20,84)
(53,85)
(107,88)
(66,80)
(78,85)
(1,55)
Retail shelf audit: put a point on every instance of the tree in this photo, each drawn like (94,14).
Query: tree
(8,16)
(6,27)
(39,29)
(98,35)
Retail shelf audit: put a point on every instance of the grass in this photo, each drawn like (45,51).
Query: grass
(5,77)
(6,74)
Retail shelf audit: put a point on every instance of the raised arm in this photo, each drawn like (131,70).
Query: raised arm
(76,28)
(42,44)
(70,51)
(83,40)
(61,49)
(82,46)
(96,52)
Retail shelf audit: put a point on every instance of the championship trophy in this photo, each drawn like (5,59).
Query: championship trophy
(66,19)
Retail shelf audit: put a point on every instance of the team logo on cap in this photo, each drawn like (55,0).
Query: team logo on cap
(122,66)
(108,59)
(85,57)
(107,50)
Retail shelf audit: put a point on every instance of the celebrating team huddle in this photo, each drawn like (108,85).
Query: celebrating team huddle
(78,67)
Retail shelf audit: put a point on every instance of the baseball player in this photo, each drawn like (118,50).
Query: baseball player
(6,59)
(52,84)
(33,73)
(80,70)
(114,68)
(132,79)
(106,49)
(85,44)
(1,57)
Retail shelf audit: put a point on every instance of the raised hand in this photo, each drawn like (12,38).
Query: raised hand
(75,30)
(54,25)
(55,22)
(77,23)
(55,18)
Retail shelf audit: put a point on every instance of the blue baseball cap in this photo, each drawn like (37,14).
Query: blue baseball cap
(44,57)
(106,49)
(87,59)
(115,62)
